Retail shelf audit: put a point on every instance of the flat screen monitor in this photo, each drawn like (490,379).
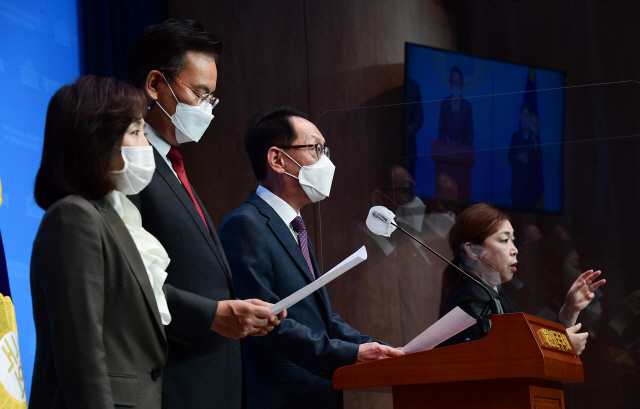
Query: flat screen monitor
(480,130)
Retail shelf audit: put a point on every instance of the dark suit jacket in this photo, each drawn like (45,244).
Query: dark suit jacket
(100,339)
(450,130)
(292,366)
(204,369)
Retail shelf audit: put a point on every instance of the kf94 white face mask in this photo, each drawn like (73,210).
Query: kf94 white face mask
(139,165)
(412,213)
(190,121)
(315,179)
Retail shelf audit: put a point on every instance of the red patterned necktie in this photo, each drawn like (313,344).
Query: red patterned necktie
(176,161)
(300,228)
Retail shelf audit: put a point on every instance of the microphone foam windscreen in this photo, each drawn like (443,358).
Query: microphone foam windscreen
(379,226)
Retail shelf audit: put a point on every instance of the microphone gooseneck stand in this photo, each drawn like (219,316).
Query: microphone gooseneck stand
(492,306)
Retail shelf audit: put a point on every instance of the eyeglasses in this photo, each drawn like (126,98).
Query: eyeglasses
(318,148)
(202,99)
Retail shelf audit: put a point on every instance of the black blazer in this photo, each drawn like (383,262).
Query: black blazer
(204,369)
(100,339)
(472,299)
(292,366)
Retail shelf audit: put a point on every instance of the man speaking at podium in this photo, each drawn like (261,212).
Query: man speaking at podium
(268,249)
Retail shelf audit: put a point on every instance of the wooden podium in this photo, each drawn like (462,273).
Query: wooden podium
(522,363)
(454,160)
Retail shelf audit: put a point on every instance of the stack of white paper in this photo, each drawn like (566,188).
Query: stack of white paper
(452,323)
(350,262)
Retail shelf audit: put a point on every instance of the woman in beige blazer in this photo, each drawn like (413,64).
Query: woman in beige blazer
(96,275)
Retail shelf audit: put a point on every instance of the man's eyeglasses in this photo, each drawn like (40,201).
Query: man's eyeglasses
(202,99)
(318,148)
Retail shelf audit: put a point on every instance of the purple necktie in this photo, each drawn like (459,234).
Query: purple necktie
(299,227)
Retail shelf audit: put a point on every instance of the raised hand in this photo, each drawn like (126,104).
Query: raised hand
(579,296)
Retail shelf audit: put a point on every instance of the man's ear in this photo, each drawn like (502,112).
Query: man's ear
(275,160)
(152,84)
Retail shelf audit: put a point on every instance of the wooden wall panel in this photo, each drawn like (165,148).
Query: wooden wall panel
(356,55)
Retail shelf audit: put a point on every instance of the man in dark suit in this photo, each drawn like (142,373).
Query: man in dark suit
(456,118)
(175,63)
(269,251)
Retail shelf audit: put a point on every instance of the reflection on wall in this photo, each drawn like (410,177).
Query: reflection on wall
(38,54)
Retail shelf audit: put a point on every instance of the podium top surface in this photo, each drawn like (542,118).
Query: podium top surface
(518,346)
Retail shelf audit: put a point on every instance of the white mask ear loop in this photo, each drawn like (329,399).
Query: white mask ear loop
(170,89)
(174,95)
(294,161)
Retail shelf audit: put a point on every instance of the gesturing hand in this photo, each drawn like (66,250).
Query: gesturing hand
(373,351)
(237,319)
(579,296)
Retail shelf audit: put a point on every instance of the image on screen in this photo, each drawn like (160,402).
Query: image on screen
(480,130)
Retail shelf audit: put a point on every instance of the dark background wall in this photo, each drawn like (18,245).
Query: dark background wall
(327,55)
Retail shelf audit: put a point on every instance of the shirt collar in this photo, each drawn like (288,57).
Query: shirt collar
(284,209)
(154,139)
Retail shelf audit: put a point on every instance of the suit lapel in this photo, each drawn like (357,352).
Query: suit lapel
(324,295)
(282,233)
(162,168)
(216,241)
(131,253)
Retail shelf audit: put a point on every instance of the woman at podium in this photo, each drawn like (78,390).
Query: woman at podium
(482,242)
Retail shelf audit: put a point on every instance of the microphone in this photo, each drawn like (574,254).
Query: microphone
(384,215)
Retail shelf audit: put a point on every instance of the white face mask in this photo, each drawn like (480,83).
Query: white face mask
(139,166)
(412,213)
(190,121)
(315,179)
(441,223)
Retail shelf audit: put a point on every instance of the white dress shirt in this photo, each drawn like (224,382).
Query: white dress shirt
(284,209)
(154,256)
(160,144)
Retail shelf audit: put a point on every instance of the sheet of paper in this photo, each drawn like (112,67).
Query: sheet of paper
(350,262)
(452,323)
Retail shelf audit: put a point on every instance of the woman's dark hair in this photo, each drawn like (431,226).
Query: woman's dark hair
(86,122)
(269,128)
(475,224)
(164,47)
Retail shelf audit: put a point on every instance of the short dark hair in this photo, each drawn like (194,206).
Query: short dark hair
(269,128)
(456,69)
(85,125)
(164,46)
